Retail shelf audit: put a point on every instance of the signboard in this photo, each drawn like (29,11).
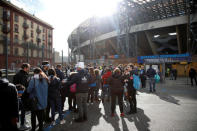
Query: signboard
(165,58)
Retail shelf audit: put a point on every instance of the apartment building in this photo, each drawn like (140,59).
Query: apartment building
(29,39)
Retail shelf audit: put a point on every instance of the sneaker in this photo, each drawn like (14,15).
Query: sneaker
(53,123)
(121,114)
(24,127)
(62,121)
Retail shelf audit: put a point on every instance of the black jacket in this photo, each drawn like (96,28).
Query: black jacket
(82,79)
(8,100)
(54,88)
(60,74)
(192,72)
(21,78)
(151,73)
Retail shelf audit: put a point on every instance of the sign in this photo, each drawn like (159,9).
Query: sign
(165,58)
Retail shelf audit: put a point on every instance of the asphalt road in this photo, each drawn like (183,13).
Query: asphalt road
(172,108)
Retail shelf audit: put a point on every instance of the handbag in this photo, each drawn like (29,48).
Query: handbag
(34,100)
(73,88)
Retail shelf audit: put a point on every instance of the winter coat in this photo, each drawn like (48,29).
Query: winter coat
(8,100)
(106,76)
(131,90)
(54,88)
(192,72)
(82,84)
(59,74)
(116,83)
(39,89)
(151,73)
(21,78)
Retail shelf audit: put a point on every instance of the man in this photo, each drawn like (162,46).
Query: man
(45,68)
(81,79)
(22,78)
(60,75)
(9,109)
(151,74)
(192,75)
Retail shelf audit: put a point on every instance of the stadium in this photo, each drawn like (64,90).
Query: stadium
(160,29)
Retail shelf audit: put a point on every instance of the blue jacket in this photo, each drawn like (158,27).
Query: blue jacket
(41,91)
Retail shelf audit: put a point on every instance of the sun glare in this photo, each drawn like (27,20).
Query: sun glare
(105,7)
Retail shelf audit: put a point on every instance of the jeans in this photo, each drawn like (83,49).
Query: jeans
(194,80)
(72,101)
(21,107)
(81,99)
(152,84)
(40,115)
(105,91)
(120,101)
(53,104)
(132,100)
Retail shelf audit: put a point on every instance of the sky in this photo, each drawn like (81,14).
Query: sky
(66,15)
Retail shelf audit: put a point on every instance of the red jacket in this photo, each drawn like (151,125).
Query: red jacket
(106,76)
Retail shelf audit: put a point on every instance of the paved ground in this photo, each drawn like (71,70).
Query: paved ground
(172,108)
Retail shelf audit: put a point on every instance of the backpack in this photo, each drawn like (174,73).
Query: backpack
(73,88)
(136,82)
(157,78)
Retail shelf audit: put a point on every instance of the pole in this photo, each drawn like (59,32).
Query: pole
(6,57)
(188,27)
(62,57)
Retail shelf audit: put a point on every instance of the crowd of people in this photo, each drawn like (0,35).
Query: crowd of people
(44,93)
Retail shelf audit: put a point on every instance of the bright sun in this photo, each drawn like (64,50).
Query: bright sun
(104,7)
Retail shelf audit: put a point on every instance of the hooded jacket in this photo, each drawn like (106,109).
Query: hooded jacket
(116,83)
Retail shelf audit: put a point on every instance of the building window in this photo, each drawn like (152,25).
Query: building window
(43,37)
(32,41)
(15,28)
(16,51)
(16,37)
(32,24)
(32,34)
(43,30)
(25,20)
(16,18)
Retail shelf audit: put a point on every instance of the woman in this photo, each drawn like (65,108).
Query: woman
(92,85)
(38,88)
(71,95)
(116,83)
(54,95)
(131,91)
(98,83)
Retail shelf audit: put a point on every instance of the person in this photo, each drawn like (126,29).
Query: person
(61,76)
(45,68)
(131,91)
(92,86)
(38,88)
(192,75)
(9,111)
(143,77)
(105,86)
(1,74)
(71,95)
(151,74)
(22,78)
(54,95)
(98,83)
(116,83)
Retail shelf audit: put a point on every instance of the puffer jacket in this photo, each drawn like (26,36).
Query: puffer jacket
(116,83)
(106,76)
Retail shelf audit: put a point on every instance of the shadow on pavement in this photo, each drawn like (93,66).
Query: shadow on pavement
(140,120)
(93,120)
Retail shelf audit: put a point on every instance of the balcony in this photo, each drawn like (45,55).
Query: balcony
(38,40)
(16,41)
(49,35)
(6,15)
(6,29)
(25,36)
(38,30)
(25,25)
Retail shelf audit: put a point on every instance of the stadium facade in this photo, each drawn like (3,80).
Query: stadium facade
(139,28)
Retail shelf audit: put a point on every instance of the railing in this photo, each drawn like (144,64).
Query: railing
(6,29)
(6,16)
(25,25)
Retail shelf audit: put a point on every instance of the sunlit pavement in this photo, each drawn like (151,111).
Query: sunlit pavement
(172,108)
